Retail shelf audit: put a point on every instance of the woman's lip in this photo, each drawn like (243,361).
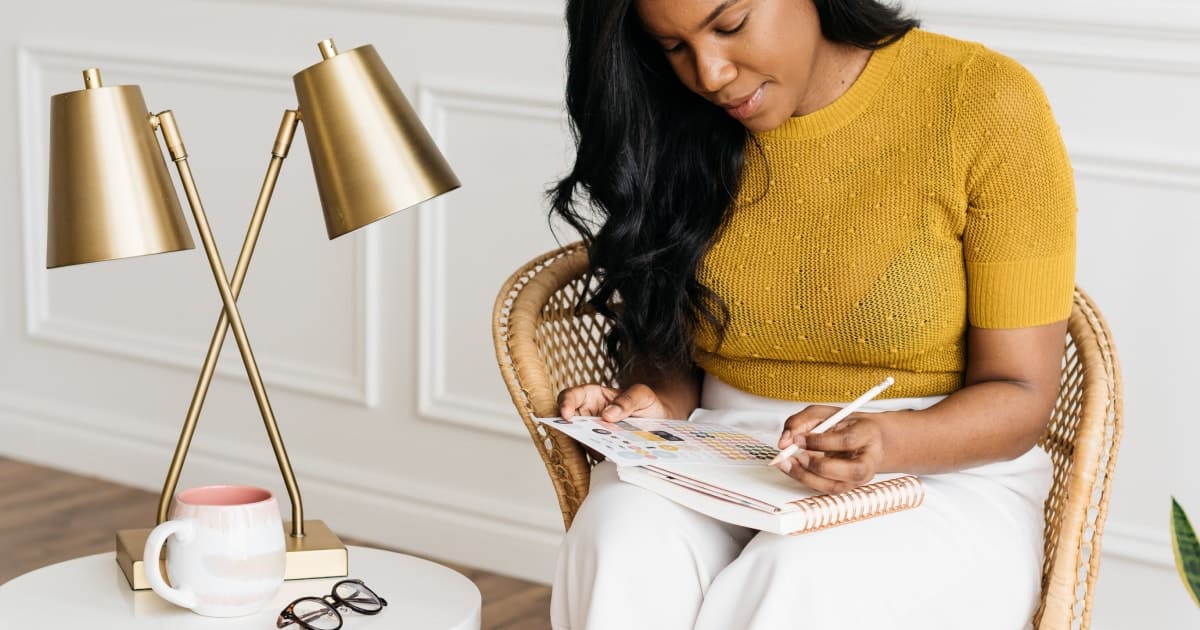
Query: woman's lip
(746,107)
(741,101)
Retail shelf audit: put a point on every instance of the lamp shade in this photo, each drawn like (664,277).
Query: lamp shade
(110,194)
(370,153)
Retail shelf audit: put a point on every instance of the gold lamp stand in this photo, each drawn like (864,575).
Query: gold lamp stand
(111,197)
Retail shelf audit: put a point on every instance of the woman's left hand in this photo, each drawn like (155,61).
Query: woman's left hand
(842,458)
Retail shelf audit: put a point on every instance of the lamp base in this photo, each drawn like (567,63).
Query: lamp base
(319,554)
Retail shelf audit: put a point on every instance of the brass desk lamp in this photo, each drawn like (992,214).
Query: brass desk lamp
(111,197)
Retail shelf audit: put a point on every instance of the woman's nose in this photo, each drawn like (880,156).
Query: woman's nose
(714,72)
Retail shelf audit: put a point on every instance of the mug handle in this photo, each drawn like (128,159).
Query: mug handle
(184,530)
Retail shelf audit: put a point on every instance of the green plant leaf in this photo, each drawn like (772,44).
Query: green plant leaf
(1187,550)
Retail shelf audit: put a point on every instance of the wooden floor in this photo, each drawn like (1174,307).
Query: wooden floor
(48,516)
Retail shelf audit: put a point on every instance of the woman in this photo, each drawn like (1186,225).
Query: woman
(795,199)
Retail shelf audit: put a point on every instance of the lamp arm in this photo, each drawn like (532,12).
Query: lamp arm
(230,315)
(283,142)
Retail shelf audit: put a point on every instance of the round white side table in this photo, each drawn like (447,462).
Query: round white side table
(91,592)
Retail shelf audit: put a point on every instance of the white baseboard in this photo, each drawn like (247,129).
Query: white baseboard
(488,539)
(1151,547)
(495,544)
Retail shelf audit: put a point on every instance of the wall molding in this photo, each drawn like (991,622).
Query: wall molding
(526,12)
(1110,163)
(70,439)
(1146,20)
(437,100)
(1153,19)
(1139,544)
(359,386)
(1115,57)
(1158,38)
(491,534)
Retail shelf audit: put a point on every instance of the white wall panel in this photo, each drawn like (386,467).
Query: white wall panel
(119,308)
(504,140)
(376,346)
(1123,80)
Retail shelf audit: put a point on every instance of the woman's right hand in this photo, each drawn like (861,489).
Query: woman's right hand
(610,404)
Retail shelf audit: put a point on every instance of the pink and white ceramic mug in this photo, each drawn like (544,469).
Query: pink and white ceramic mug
(225,551)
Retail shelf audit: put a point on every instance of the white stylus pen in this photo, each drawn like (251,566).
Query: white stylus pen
(837,417)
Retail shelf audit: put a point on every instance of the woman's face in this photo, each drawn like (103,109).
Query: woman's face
(753,58)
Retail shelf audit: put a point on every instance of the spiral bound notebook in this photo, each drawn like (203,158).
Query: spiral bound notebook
(708,464)
(763,498)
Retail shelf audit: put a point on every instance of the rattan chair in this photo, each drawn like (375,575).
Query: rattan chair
(544,345)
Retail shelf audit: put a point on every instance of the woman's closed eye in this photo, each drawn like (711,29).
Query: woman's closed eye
(720,30)
(734,29)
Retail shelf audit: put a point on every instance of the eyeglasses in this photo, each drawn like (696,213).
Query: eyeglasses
(320,613)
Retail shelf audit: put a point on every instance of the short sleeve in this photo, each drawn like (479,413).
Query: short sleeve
(1019,232)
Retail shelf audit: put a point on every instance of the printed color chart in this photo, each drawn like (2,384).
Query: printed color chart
(641,441)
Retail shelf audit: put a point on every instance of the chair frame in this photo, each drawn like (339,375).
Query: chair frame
(545,343)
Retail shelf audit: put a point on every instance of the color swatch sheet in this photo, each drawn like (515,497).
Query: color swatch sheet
(641,441)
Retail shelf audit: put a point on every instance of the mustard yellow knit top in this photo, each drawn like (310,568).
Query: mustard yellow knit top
(934,194)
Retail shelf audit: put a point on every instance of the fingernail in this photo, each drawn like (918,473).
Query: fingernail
(804,458)
(611,409)
(786,465)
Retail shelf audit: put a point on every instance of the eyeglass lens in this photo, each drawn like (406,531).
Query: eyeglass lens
(316,614)
(358,597)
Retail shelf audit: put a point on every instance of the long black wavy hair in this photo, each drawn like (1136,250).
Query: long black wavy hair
(659,167)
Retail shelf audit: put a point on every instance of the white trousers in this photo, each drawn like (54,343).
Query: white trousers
(969,557)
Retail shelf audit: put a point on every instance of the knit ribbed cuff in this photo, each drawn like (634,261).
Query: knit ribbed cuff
(1022,293)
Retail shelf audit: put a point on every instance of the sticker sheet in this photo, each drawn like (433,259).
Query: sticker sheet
(641,441)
